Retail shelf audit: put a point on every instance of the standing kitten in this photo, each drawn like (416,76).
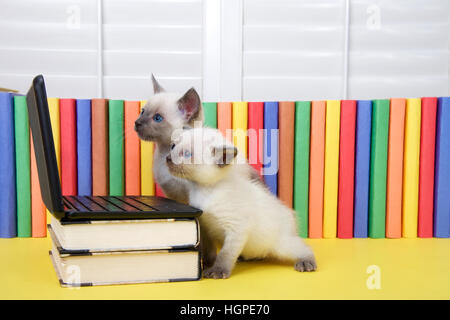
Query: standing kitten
(239,213)
(163,114)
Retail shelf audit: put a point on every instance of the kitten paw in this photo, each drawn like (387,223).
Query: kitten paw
(306,264)
(216,272)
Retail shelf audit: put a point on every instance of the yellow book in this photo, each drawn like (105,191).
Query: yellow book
(411,168)
(147,181)
(330,189)
(239,122)
(53,109)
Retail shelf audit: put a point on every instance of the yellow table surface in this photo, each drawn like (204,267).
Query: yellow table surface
(409,269)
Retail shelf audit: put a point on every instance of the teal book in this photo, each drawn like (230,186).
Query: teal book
(23,175)
(301,165)
(210,113)
(378,169)
(116,148)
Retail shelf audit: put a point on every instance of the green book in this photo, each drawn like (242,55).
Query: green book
(301,165)
(378,169)
(116,148)
(210,112)
(23,175)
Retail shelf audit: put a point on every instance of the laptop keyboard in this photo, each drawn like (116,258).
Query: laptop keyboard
(109,204)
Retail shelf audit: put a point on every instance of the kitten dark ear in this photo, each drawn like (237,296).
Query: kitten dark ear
(191,106)
(157,88)
(224,155)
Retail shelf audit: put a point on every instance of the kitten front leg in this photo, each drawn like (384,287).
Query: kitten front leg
(208,247)
(226,259)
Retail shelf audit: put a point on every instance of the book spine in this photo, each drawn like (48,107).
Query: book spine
(22,142)
(255,135)
(286,123)
(210,112)
(426,167)
(331,172)
(84,147)
(395,168)
(53,109)
(316,173)
(441,219)
(38,212)
(346,169)
(100,144)
(8,219)
(362,168)
(301,165)
(116,148)
(224,119)
(378,169)
(240,122)
(68,147)
(270,155)
(147,179)
(132,150)
(411,168)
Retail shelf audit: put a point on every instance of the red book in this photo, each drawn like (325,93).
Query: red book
(286,126)
(158,191)
(426,167)
(346,169)
(255,134)
(132,150)
(68,146)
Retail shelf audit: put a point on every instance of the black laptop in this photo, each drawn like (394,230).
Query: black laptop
(85,207)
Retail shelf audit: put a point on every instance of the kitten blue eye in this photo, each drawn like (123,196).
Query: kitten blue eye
(157,117)
(187,154)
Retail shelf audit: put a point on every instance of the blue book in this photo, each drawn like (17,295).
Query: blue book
(84,147)
(270,152)
(8,209)
(362,168)
(442,171)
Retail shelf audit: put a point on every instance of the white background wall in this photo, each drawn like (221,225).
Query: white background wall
(228,49)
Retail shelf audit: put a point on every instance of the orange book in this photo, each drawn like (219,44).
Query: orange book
(286,125)
(395,168)
(38,214)
(132,150)
(224,119)
(100,162)
(316,172)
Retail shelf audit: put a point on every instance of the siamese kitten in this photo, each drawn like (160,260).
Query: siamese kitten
(239,213)
(164,113)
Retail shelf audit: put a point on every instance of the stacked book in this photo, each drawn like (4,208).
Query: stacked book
(105,252)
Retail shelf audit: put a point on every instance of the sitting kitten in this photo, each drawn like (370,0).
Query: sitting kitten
(239,213)
(163,114)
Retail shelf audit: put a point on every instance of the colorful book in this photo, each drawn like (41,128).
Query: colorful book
(116,148)
(362,168)
(53,110)
(84,147)
(411,168)
(8,205)
(316,172)
(68,121)
(210,114)
(100,143)
(38,210)
(378,169)
(346,169)
(23,178)
(301,165)
(270,155)
(255,135)
(394,187)
(286,124)
(224,119)
(426,167)
(132,150)
(331,170)
(240,122)
(147,180)
(441,218)
(159,192)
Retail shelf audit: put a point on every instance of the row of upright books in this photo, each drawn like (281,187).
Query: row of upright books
(349,168)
